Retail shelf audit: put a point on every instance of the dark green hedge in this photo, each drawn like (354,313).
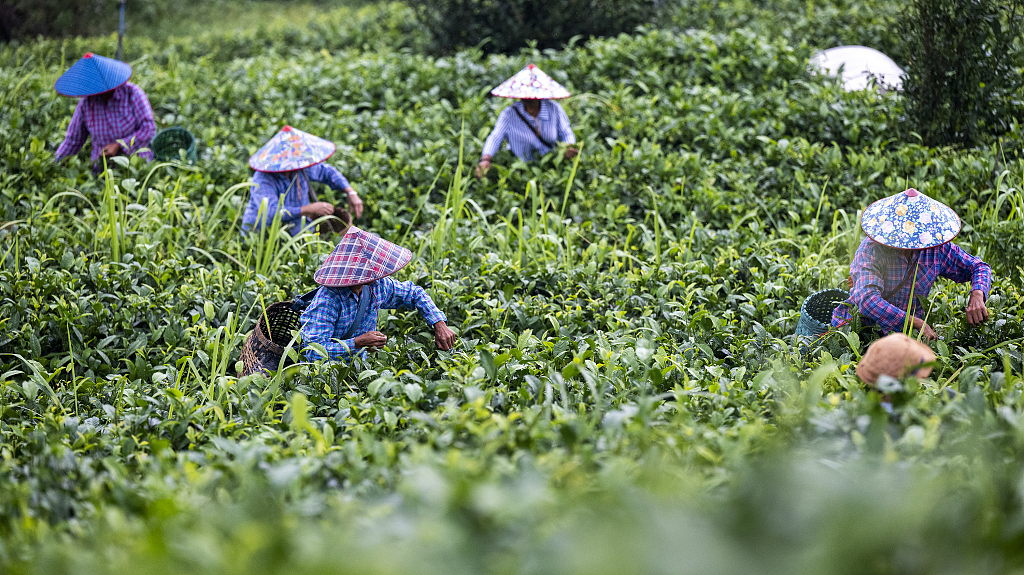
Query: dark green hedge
(964,67)
(507,25)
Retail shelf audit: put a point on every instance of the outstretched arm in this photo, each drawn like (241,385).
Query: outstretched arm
(408,295)
(498,134)
(143,135)
(76,134)
(960,266)
(565,133)
(328,174)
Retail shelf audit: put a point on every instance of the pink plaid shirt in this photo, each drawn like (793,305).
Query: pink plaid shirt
(127,118)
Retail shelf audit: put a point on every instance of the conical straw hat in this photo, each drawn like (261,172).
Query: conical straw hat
(895,355)
(910,220)
(92,75)
(531,84)
(291,149)
(360,258)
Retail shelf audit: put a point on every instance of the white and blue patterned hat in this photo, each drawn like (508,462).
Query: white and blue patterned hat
(531,83)
(910,220)
(291,149)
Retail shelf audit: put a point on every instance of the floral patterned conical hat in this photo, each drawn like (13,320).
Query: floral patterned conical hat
(910,220)
(291,149)
(531,84)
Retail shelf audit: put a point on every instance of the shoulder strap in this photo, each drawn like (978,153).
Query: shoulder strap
(302,302)
(533,126)
(364,306)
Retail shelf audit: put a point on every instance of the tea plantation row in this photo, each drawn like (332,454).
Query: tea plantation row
(627,395)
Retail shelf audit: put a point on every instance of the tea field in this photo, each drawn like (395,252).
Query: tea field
(626,396)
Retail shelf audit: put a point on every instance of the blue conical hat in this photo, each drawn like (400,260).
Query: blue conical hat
(92,75)
(531,84)
(910,220)
(291,149)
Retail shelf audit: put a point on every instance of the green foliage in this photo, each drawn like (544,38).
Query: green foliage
(504,26)
(626,395)
(964,65)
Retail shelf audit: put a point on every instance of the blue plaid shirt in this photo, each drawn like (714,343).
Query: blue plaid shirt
(333,310)
(877,270)
(295,187)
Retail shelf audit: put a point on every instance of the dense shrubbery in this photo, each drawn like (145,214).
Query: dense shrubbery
(964,67)
(626,323)
(505,26)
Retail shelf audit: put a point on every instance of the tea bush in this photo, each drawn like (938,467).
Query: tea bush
(627,394)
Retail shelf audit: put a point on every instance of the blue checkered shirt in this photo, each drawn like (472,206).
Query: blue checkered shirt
(333,310)
(878,270)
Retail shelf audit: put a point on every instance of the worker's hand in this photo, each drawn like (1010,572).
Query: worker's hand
(371,340)
(926,330)
(976,310)
(111,149)
(355,202)
(317,209)
(444,337)
(571,152)
(483,167)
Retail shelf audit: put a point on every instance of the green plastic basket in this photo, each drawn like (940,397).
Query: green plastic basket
(168,143)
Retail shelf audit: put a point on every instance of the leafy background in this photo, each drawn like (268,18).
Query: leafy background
(627,395)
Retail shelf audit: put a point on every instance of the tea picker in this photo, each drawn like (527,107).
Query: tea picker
(354,285)
(532,126)
(285,165)
(114,113)
(909,246)
(341,314)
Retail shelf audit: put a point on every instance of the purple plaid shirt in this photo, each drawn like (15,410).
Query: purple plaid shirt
(126,118)
(878,270)
(333,310)
(295,187)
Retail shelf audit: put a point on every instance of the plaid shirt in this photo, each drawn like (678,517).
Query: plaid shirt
(878,270)
(127,118)
(295,187)
(333,310)
(552,122)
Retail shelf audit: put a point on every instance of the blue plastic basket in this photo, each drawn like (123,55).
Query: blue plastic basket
(816,311)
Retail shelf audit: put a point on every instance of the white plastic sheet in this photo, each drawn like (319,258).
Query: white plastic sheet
(859,65)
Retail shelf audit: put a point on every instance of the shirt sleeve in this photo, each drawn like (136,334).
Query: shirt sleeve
(318,326)
(867,294)
(76,134)
(328,174)
(960,266)
(565,133)
(498,134)
(263,189)
(407,295)
(143,135)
